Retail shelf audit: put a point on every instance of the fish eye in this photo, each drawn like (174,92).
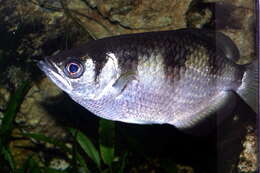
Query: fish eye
(74,69)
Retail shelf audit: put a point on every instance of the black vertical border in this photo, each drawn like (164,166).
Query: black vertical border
(257,54)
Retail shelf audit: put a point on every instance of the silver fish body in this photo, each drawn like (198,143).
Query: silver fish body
(175,77)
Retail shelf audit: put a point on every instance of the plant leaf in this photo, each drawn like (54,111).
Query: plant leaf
(40,137)
(87,146)
(106,140)
(82,163)
(123,163)
(169,166)
(106,171)
(30,165)
(12,108)
(8,156)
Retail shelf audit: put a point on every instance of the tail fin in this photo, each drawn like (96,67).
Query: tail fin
(248,91)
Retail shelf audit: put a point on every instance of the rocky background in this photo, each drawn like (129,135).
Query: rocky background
(33,29)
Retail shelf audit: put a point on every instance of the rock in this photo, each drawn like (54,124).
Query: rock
(59,164)
(34,116)
(114,17)
(248,161)
(111,17)
(145,14)
(198,17)
(19,148)
(231,19)
(16,75)
(186,169)
(29,31)
(239,3)
(4,98)
(241,29)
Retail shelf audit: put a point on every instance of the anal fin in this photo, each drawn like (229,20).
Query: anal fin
(203,122)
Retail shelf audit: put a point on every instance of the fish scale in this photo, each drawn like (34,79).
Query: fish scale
(177,77)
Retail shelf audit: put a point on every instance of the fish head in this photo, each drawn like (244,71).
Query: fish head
(73,74)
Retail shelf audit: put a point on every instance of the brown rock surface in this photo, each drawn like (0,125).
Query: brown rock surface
(34,116)
(114,17)
(239,3)
(240,27)
(248,161)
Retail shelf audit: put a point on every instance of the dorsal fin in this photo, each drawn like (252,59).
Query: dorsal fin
(225,44)
(221,41)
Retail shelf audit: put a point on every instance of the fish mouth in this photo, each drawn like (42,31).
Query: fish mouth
(47,65)
(54,74)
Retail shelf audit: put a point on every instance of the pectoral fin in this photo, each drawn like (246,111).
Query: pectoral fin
(122,82)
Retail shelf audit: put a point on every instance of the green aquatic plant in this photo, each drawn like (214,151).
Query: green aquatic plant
(85,156)
(7,126)
(107,141)
(31,164)
(104,159)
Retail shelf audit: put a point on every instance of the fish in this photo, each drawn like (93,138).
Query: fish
(179,77)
